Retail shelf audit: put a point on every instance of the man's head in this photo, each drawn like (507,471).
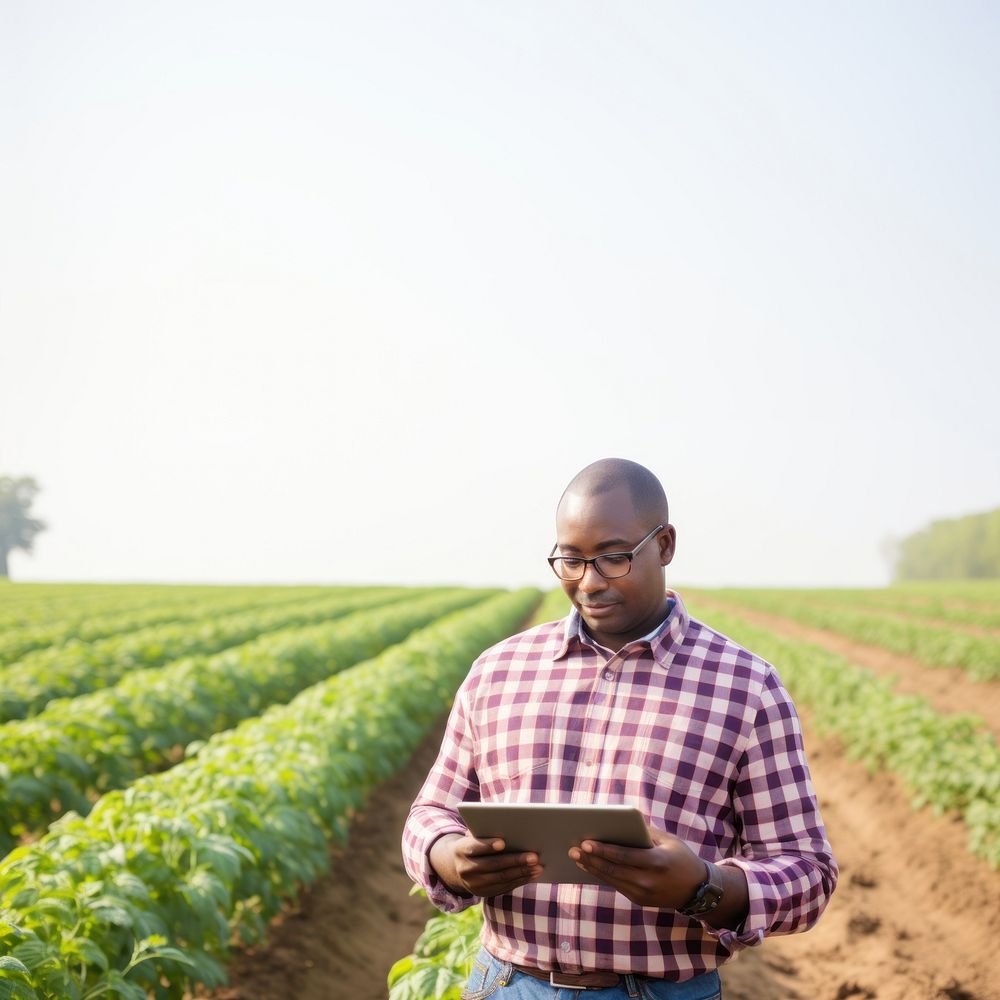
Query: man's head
(610,507)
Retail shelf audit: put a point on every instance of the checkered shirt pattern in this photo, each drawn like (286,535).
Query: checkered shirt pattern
(685,724)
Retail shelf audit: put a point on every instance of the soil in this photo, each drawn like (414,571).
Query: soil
(915,915)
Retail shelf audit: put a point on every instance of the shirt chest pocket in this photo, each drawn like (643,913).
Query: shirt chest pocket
(513,762)
(523,779)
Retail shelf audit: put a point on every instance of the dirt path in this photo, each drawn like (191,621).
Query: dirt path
(948,689)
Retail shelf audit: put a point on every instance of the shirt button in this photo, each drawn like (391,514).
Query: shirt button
(565,946)
(608,675)
(589,763)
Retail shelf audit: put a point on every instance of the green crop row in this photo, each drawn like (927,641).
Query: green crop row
(80,747)
(946,761)
(932,645)
(143,896)
(15,643)
(18,614)
(984,591)
(940,608)
(39,604)
(78,667)
(555,605)
(27,595)
(896,600)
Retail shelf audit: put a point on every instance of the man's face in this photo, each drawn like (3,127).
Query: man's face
(620,610)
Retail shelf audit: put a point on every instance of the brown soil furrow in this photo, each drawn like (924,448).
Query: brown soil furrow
(980,631)
(948,689)
(914,914)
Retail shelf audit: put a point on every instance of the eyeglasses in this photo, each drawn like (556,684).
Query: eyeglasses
(611,565)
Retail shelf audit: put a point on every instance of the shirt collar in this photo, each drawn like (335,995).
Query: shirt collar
(661,641)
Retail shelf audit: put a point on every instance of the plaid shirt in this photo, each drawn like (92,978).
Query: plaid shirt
(692,728)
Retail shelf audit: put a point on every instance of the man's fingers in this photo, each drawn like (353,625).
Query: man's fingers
(491,845)
(492,883)
(626,880)
(500,862)
(491,849)
(596,864)
(486,869)
(633,857)
(494,887)
(609,862)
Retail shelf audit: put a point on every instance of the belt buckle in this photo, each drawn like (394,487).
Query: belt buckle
(572,986)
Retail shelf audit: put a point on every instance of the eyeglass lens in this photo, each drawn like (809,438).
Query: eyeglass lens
(610,566)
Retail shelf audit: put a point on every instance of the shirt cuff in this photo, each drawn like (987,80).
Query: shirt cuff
(754,927)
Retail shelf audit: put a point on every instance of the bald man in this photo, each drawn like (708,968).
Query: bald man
(628,700)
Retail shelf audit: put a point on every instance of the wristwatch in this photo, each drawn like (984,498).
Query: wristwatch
(707,896)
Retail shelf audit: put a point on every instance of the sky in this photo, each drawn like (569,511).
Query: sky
(347,292)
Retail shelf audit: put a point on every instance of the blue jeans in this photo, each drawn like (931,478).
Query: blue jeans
(494,978)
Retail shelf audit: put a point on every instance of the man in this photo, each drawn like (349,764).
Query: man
(628,700)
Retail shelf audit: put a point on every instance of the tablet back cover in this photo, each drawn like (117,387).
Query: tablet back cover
(550,831)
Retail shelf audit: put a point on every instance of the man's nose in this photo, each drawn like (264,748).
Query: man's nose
(592,582)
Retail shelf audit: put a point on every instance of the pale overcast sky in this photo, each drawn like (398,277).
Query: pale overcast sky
(348,291)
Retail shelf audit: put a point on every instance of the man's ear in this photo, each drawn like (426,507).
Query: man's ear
(667,540)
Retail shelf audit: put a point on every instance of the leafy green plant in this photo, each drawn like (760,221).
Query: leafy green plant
(78,667)
(77,748)
(26,605)
(211,848)
(16,642)
(441,962)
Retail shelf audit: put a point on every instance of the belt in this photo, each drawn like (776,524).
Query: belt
(574,980)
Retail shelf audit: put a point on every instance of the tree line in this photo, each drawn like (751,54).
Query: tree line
(956,548)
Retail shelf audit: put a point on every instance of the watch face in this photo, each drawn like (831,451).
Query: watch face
(708,895)
(710,900)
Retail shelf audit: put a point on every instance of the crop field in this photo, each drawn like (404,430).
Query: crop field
(202,789)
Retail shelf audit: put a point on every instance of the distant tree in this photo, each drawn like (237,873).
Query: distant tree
(17,527)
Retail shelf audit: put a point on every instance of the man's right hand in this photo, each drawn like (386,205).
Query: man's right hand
(481,867)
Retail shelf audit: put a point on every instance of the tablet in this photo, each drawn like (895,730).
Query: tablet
(551,830)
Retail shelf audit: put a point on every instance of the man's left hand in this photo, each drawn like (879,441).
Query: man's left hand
(665,875)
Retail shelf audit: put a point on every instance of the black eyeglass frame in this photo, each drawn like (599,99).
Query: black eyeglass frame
(553,559)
